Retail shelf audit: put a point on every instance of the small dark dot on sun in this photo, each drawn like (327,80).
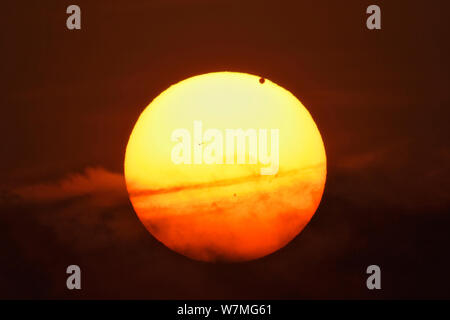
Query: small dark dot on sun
(262,80)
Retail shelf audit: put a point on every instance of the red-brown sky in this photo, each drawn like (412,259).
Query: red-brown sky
(70,99)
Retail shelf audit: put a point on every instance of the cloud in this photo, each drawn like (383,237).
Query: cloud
(102,187)
(92,202)
(362,160)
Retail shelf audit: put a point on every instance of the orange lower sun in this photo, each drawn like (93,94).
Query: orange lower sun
(225,166)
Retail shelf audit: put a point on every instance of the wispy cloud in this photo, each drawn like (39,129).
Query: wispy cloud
(103,187)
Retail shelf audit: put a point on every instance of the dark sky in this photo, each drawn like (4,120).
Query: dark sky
(70,100)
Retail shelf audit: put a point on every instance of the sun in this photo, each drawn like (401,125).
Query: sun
(225,166)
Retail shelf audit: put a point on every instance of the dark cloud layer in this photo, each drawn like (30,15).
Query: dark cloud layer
(104,188)
(380,100)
